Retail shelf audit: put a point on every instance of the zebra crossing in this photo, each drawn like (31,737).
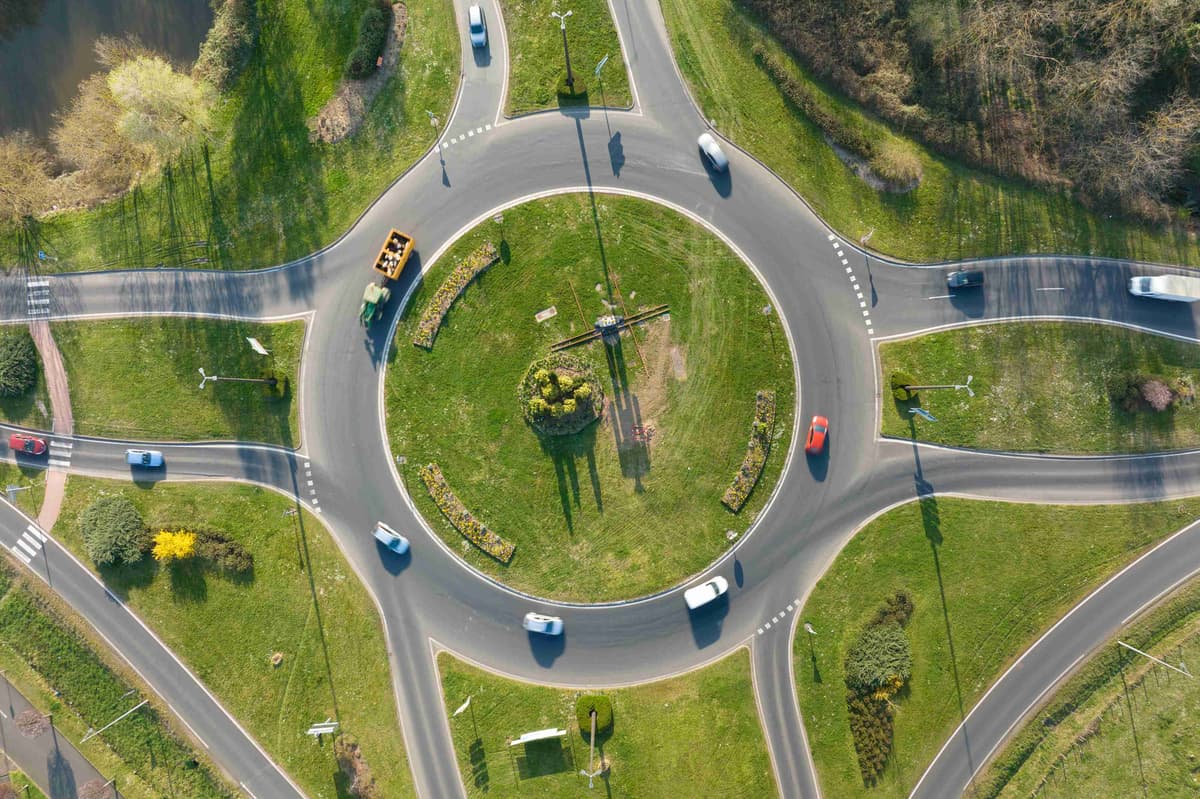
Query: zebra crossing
(29,544)
(60,453)
(37,298)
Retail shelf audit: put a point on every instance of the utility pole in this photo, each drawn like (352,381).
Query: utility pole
(266,381)
(562,18)
(955,386)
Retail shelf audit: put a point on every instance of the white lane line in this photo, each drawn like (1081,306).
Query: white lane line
(866,313)
(25,546)
(310,482)
(767,626)
(870,331)
(40,535)
(22,555)
(247,790)
(1056,288)
(470,133)
(841,254)
(487,127)
(760,630)
(862,304)
(479,130)
(316,501)
(849,270)
(940,297)
(445,142)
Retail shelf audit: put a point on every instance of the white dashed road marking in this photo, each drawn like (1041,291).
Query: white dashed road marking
(29,544)
(1056,288)
(837,245)
(778,617)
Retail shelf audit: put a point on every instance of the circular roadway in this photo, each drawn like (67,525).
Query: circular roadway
(834,299)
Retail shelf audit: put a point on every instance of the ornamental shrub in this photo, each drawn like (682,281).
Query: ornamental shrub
(372,36)
(879,656)
(18,363)
(584,705)
(170,546)
(583,393)
(898,382)
(1125,390)
(223,552)
(113,531)
(1157,394)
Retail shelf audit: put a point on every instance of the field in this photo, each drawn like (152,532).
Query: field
(1061,409)
(985,579)
(597,515)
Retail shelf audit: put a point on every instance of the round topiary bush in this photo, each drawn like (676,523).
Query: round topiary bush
(113,531)
(604,715)
(18,364)
(897,384)
(560,395)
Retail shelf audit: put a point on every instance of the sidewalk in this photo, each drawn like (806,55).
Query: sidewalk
(49,760)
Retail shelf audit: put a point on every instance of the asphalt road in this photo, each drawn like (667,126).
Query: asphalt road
(832,299)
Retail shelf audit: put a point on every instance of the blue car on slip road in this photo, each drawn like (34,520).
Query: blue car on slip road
(147,458)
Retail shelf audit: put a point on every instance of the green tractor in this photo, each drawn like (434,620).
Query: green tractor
(374,298)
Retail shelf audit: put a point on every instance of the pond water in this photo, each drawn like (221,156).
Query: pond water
(46,48)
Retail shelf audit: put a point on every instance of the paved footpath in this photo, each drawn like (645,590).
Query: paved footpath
(56,767)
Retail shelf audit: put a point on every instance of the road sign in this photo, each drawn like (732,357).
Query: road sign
(600,66)
(323,727)
(924,414)
(257,346)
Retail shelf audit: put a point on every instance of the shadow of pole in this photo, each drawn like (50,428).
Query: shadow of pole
(1137,747)
(587,176)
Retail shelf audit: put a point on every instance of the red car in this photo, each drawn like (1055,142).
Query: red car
(817,428)
(26,444)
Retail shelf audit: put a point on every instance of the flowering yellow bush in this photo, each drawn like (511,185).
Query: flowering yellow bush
(169,546)
(756,452)
(471,528)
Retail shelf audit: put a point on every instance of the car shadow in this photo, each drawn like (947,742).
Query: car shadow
(707,621)
(482,55)
(393,564)
(721,181)
(818,465)
(547,648)
(969,301)
(144,477)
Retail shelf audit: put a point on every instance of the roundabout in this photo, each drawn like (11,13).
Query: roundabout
(620,496)
(832,302)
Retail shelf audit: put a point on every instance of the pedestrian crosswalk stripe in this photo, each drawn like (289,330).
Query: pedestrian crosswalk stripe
(22,556)
(40,535)
(26,546)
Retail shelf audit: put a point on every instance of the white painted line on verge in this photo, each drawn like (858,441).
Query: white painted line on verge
(941,297)
(1056,288)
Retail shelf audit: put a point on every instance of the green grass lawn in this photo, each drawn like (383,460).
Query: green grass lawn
(694,735)
(956,212)
(30,481)
(25,787)
(334,655)
(1083,742)
(265,193)
(139,379)
(593,519)
(535,53)
(1022,404)
(986,578)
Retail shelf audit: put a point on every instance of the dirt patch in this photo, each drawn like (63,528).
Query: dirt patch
(345,111)
(647,397)
(678,364)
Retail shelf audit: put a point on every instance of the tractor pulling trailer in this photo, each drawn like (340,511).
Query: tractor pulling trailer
(389,264)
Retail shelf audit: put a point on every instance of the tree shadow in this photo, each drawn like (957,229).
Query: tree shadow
(564,452)
(187,582)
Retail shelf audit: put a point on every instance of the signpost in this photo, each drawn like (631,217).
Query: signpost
(924,414)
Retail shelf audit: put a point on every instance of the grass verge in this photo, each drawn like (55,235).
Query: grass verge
(1098,738)
(535,54)
(986,578)
(954,213)
(694,735)
(60,670)
(1040,386)
(139,379)
(595,515)
(265,193)
(334,656)
(30,484)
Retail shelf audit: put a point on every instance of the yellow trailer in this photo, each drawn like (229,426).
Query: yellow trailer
(394,254)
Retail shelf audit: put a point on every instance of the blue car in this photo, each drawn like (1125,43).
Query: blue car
(146,458)
(390,538)
(476,26)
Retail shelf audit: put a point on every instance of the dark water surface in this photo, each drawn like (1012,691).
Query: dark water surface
(46,48)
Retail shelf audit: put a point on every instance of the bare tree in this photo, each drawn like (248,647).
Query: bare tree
(25,167)
(31,723)
(87,138)
(95,789)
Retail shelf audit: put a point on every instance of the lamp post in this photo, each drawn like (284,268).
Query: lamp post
(433,123)
(266,381)
(562,18)
(955,386)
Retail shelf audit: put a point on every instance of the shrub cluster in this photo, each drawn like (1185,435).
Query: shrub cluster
(890,158)
(897,383)
(18,363)
(756,452)
(462,275)
(372,36)
(604,715)
(223,552)
(172,546)
(471,528)
(877,667)
(1134,391)
(229,42)
(560,395)
(113,531)
(351,762)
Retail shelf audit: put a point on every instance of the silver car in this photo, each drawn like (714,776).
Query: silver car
(546,625)
(712,152)
(476,26)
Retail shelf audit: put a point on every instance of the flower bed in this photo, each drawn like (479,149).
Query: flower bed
(436,309)
(461,518)
(756,452)
(560,395)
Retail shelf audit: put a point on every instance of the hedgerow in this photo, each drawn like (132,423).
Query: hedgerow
(756,452)
(18,363)
(471,528)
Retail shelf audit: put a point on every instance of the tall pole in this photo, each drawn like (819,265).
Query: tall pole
(566,52)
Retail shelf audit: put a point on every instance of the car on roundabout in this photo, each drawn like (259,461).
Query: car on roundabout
(390,538)
(544,625)
(146,458)
(712,152)
(818,429)
(700,595)
(26,445)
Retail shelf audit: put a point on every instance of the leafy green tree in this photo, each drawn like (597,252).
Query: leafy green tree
(163,112)
(113,531)
(18,364)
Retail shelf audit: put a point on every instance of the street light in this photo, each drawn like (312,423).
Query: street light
(562,18)
(955,386)
(266,381)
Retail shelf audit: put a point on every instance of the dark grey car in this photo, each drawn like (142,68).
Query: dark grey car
(963,279)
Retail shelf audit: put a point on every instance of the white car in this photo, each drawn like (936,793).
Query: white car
(712,152)
(148,458)
(706,592)
(476,26)
(546,625)
(390,538)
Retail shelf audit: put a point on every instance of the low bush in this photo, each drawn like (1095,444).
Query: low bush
(351,762)
(560,395)
(229,43)
(471,528)
(113,531)
(896,162)
(897,383)
(604,715)
(173,546)
(372,36)
(18,363)
(879,659)
(1157,394)
(756,452)
(455,283)
(577,91)
(223,553)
